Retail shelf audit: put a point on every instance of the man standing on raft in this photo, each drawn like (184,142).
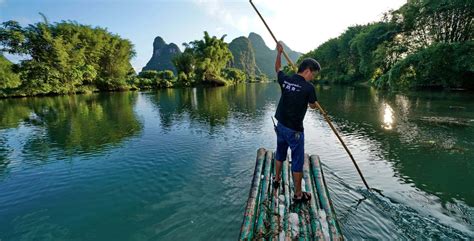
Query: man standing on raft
(296,94)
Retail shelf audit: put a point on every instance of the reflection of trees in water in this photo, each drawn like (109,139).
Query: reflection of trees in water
(77,123)
(436,158)
(3,155)
(86,124)
(213,106)
(12,112)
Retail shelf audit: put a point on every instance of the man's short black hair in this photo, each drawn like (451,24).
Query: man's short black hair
(310,63)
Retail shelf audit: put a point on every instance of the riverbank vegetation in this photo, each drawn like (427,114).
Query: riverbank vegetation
(425,44)
(205,61)
(67,57)
(64,58)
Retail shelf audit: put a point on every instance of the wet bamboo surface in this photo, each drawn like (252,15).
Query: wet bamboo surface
(270,213)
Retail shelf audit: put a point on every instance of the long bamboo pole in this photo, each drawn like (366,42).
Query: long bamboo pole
(317,233)
(317,103)
(263,202)
(325,201)
(246,231)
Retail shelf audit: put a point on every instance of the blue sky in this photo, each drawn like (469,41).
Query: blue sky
(302,24)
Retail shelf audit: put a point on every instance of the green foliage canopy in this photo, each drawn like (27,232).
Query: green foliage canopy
(424,44)
(67,57)
(203,61)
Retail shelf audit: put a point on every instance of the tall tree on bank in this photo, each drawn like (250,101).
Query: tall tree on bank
(8,79)
(437,37)
(436,21)
(66,57)
(203,60)
(424,44)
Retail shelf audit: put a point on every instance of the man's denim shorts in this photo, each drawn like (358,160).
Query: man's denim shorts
(287,137)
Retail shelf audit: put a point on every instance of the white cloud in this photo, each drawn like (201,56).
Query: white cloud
(302,24)
(221,11)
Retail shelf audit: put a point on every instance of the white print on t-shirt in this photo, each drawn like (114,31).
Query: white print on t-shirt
(290,86)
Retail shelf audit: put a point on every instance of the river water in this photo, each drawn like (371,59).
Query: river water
(177,164)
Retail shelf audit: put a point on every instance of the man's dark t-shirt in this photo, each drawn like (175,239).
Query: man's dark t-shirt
(296,94)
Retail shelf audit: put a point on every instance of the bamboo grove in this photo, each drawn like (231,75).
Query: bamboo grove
(425,44)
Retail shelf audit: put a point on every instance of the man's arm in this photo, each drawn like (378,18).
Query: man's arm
(313,101)
(278,58)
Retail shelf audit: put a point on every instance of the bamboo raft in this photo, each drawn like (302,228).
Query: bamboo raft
(271,214)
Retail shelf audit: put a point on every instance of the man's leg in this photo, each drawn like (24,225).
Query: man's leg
(297,161)
(278,169)
(297,176)
(281,152)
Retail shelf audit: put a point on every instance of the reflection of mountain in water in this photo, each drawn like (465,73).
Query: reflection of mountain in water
(212,106)
(78,123)
(436,158)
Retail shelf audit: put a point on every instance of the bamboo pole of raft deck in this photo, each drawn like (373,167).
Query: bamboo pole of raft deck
(318,105)
(305,212)
(274,195)
(292,194)
(317,233)
(303,229)
(323,195)
(264,196)
(321,213)
(252,202)
(333,210)
(286,188)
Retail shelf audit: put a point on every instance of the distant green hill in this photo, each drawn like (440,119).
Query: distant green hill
(265,57)
(162,56)
(294,56)
(244,56)
(251,55)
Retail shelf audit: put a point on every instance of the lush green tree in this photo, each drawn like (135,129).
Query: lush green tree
(148,79)
(441,65)
(212,56)
(67,57)
(185,64)
(234,75)
(203,61)
(371,38)
(8,79)
(437,21)
(339,60)
(405,49)
(165,79)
